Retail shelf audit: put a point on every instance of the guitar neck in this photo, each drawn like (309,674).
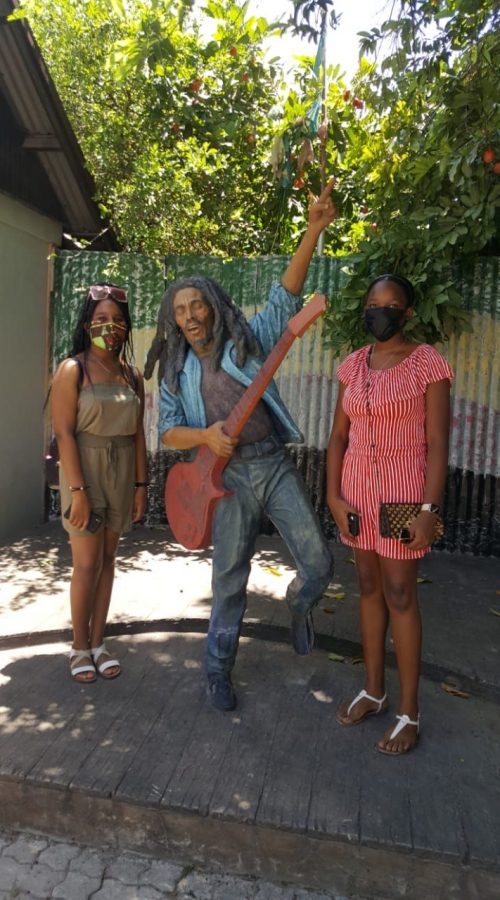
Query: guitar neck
(241,413)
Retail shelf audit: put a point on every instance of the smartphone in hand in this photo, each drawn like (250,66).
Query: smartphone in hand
(353,523)
(95,520)
(405,536)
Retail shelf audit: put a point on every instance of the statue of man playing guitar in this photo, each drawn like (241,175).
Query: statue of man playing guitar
(208,355)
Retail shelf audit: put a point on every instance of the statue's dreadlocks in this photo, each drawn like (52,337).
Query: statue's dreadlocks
(169,347)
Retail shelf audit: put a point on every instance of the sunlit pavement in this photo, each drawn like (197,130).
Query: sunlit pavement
(327,784)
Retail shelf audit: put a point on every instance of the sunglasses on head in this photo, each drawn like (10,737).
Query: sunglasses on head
(107,292)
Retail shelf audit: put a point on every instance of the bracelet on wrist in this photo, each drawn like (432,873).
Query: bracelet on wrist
(141,484)
(78,487)
(431,507)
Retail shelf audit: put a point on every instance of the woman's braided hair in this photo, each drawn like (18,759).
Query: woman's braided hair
(170,348)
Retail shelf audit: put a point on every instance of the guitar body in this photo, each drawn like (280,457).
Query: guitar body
(191,493)
(194,488)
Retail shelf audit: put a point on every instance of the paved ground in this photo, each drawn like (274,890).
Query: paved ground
(39,868)
(159,580)
(442,802)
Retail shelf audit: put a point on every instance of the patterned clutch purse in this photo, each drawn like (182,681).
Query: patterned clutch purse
(395,516)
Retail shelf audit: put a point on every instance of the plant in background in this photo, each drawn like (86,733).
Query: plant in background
(295,159)
(427,169)
(308,17)
(174,127)
(177,131)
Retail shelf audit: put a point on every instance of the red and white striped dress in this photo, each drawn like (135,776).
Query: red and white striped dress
(386,457)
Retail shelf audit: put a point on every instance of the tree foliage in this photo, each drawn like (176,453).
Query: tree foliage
(308,17)
(195,150)
(175,128)
(425,166)
(414,145)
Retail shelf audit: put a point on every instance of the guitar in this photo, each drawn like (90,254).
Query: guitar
(194,488)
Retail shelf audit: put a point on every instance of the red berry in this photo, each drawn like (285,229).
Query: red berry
(245,76)
(299,183)
(496,168)
(233,51)
(175,127)
(364,209)
(251,138)
(489,156)
(347,96)
(358,104)
(374,226)
(196,85)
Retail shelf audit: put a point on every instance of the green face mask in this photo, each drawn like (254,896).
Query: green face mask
(108,335)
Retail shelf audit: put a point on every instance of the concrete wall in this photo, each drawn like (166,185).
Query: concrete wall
(26,242)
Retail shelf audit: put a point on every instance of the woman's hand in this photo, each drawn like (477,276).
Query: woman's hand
(339,510)
(422,531)
(322,210)
(140,503)
(80,510)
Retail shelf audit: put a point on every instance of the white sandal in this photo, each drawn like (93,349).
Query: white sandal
(370,712)
(107,664)
(403,721)
(79,670)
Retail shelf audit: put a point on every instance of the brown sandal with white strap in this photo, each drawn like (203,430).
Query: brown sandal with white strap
(77,656)
(109,663)
(381,708)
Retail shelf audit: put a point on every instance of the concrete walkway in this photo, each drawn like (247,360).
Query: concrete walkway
(277,789)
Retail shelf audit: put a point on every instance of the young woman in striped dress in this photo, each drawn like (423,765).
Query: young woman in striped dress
(389,443)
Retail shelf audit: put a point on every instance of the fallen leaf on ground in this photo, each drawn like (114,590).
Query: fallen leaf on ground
(322,697)
(355,660)
(424,580)
(272,571)
(334,595)
(496,612)
(336,657)
(455,692)
(328,609)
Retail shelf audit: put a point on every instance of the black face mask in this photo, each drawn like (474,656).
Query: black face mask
(384,322)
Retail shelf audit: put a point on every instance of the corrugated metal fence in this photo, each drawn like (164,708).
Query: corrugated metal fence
(307,377)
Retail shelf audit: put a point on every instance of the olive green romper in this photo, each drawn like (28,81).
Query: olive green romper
(106,423)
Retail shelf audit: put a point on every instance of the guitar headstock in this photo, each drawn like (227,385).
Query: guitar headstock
(313,309)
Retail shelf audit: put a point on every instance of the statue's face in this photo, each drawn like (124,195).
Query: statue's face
(195,318)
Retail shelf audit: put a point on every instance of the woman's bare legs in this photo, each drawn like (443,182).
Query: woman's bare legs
(374,618)
(86,551)
(90,590)
(102,597)
(399,579)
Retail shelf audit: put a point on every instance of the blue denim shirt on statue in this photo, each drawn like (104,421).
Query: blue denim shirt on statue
(186,407)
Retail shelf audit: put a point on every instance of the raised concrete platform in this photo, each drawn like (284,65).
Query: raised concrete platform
(276,788)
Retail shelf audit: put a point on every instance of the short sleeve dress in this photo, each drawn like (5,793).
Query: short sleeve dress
(386,457)
(106,424)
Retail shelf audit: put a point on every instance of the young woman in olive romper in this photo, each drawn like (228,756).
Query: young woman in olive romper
(97,414)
